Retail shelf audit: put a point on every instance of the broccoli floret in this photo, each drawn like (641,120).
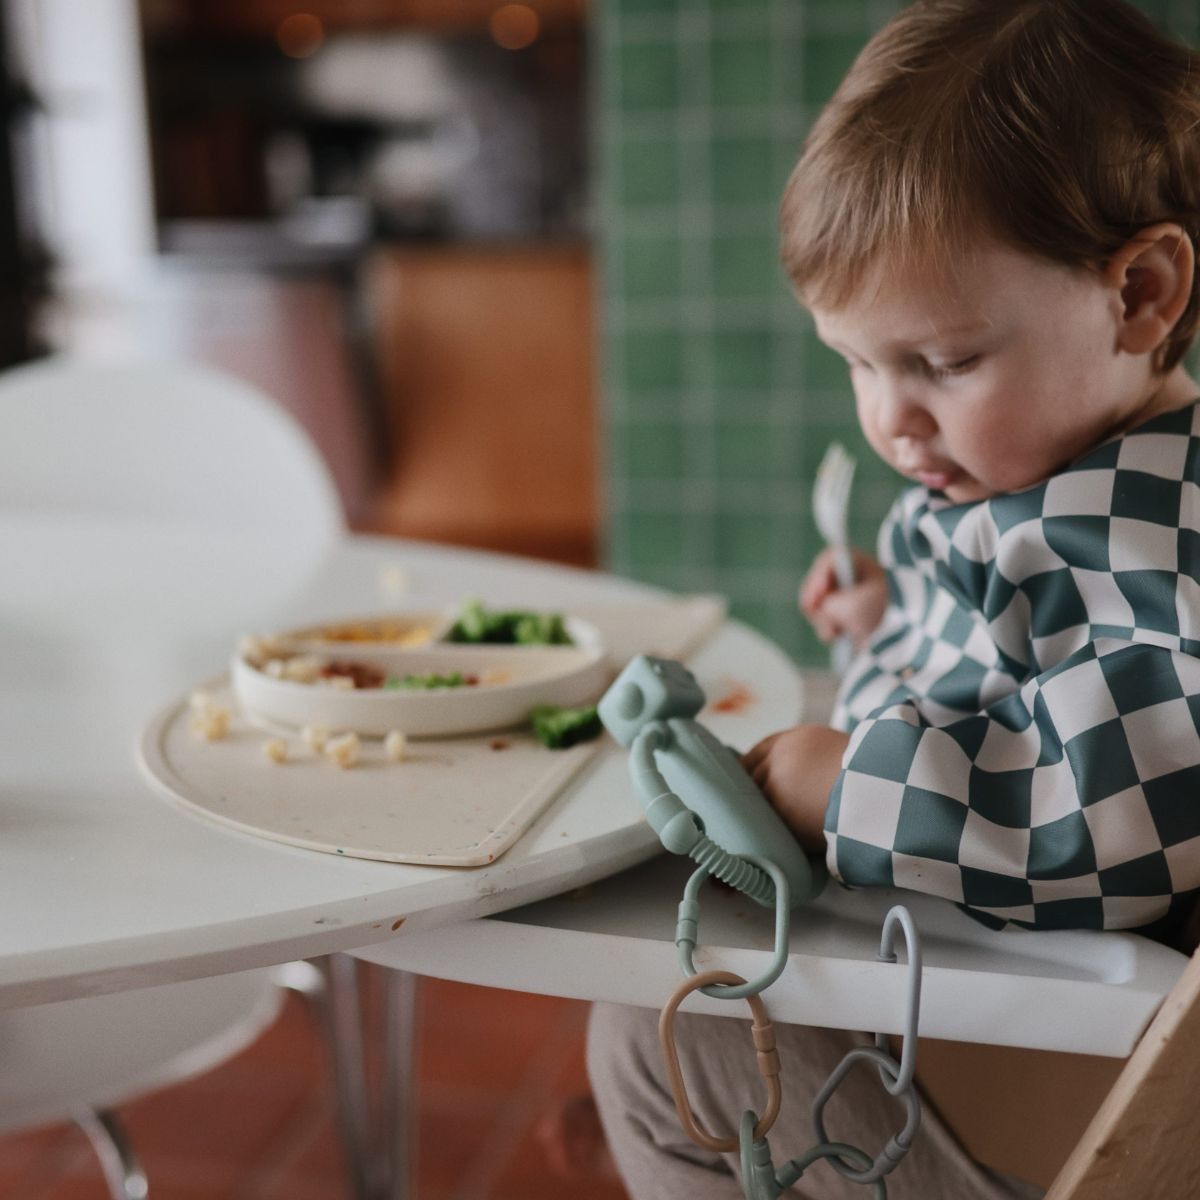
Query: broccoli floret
(426,682)
(476,624)
(540,629)
(559,728)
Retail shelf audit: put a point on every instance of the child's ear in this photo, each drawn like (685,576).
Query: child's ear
(1153,272)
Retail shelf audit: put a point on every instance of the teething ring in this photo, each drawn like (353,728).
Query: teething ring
(763,1033)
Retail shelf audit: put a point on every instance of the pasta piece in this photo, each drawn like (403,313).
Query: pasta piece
(315,737)
(343,751)
(395,745)
(275,750)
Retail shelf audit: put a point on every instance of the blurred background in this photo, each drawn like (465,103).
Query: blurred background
(513,265)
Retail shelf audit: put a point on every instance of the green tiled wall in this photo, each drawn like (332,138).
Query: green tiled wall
(718,399)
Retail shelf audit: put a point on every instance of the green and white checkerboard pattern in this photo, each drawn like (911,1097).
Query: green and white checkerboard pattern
(1026,721)
(718,399)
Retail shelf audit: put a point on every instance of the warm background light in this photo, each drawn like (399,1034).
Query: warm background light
(300,35)
(514,26)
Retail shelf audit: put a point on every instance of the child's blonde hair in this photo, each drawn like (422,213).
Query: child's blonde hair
(1061,126)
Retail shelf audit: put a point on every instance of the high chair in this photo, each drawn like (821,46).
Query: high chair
(1142,1140)
(1067,1007)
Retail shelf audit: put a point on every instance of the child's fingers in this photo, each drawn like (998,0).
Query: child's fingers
(825,629)
(756,756)
(842,608)
(833,610)
(820,580)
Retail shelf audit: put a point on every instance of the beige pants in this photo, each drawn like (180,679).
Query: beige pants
(658,1162)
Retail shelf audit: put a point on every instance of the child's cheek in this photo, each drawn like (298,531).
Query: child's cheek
(866,423)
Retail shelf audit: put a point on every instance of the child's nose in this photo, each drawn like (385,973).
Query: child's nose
(901,411)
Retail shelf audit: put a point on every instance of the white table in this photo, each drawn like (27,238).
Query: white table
(111,888)
(102,622)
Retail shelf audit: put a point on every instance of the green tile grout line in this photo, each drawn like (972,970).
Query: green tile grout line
(717,398)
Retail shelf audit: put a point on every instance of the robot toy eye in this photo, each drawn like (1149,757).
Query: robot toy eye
(629,701)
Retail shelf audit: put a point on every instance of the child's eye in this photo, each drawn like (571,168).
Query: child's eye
(961,367)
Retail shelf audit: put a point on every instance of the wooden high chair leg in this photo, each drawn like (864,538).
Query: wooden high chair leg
(1145,1138)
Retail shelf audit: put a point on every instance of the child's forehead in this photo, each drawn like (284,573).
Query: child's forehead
(937,295)
(907,305)
(898,330)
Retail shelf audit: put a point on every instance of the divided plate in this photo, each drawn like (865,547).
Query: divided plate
(512,680)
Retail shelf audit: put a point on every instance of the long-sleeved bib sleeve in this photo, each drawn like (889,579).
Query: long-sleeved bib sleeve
(1026,722)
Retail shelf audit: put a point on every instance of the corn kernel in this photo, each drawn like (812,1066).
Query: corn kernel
(395,745)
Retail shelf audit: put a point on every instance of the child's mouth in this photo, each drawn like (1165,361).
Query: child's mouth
(936,481)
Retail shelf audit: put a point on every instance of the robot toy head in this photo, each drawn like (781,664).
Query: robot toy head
(649,689)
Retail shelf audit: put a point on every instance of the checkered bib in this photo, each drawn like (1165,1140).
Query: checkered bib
(1026,720)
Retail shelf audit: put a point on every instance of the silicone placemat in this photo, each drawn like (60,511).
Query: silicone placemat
(458,801)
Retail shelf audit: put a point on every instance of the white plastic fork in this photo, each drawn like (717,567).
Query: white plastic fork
(831,503)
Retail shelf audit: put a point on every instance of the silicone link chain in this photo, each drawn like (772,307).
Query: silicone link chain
(763,1033)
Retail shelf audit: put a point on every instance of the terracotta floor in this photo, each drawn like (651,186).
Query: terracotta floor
(493,1063)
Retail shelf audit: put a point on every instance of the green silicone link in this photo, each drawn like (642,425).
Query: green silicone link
(688,925)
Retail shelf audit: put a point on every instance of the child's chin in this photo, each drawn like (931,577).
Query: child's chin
(966,491)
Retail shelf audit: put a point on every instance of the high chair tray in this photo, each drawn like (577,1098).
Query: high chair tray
(1079,991)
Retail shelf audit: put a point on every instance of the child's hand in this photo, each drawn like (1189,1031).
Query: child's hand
(834,610)
(796,770)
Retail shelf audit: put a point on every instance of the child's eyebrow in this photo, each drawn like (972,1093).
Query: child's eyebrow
(966,327)
(940,333)
(936,333)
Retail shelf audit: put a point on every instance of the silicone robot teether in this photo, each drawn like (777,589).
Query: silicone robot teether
(697,796)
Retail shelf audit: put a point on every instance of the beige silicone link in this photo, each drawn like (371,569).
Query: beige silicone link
(763,1033)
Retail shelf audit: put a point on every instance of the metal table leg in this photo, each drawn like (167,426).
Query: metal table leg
(122,1172)
(400,1083)
(335,996)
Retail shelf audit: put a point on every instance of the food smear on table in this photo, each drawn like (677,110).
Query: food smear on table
(736,698)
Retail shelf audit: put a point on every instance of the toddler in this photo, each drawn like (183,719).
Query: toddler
(994,222)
